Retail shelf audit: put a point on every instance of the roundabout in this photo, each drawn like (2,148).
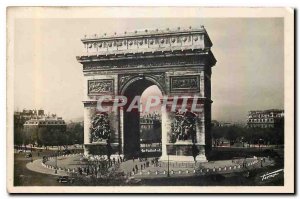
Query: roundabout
(150,168)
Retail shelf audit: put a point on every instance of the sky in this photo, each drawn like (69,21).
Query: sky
(248,74)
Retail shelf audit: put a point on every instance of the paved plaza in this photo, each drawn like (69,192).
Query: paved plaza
(71,163)
(37,166)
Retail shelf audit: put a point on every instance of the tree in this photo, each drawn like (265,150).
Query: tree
(108,149)
(18,130)
(74,133)
(195,151)
(232,135)
(250,135)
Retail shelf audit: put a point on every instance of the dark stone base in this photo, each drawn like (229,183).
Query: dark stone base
(183,149)
(100,149)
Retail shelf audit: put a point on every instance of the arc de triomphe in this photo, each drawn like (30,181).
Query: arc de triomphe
(177,61)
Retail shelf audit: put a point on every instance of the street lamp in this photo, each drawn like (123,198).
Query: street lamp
(55,163)
(259,142)
(261,164)
(168,166)
(243,141)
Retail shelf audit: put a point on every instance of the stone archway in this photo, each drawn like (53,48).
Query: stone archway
(131,126)
(177,61)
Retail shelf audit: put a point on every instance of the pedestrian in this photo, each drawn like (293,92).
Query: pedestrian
(136,168)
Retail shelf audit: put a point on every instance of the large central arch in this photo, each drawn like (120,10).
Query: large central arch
(177,61)
(131,126)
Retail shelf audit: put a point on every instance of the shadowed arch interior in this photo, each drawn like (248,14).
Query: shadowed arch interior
(132,118)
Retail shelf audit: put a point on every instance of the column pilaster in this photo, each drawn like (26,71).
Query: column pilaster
(166,129)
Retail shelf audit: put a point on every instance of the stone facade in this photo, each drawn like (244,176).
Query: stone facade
(37,130)
(177,61)
(265,118)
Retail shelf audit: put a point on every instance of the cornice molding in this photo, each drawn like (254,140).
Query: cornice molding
(150,41)
(144,33)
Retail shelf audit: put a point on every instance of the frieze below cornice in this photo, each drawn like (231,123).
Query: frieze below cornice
(147,63)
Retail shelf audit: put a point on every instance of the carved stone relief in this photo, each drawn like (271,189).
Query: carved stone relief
(100,128)
(123,79)
(135,43)
(189,83)
(183,127)
(100,86)
(191,60)
(159,77)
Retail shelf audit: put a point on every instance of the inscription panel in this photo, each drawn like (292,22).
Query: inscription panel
(190,83)
(100,86)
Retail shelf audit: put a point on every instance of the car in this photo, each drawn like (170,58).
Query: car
(28,155)
(65,179)
(66,152)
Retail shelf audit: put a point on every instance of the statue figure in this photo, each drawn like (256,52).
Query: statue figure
(183,127)
(100,129)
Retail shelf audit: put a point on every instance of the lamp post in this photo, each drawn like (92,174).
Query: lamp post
(55,163)
(243,142)
(259,142)
(168,166)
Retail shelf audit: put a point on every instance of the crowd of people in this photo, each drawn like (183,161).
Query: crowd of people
(146,163)
(97,166)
